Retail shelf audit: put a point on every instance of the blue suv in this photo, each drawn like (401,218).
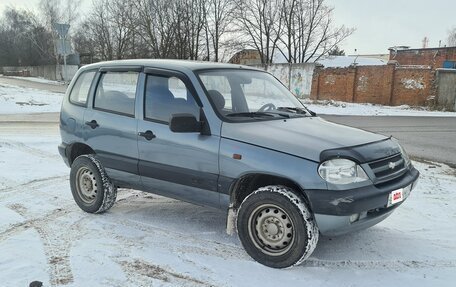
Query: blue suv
(229,137)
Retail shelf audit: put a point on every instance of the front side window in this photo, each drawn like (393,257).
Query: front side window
(81,88)
(116,92)
(166,96)
(240,94)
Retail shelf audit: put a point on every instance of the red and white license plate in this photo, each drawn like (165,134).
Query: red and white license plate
(396,196)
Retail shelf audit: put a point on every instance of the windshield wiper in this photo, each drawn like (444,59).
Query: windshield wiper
(256,114)
(297,110)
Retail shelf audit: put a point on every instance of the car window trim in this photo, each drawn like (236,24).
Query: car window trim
(114,112)
(173,73)
(138,69)
(85,105)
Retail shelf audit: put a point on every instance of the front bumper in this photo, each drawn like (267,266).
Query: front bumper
(335,210)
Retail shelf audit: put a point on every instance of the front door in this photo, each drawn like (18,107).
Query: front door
(178,165)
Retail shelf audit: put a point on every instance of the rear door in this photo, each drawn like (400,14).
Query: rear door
(111,126)
(179,165)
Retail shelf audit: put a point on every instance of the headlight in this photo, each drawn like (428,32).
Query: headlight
(404,156)
(342,171)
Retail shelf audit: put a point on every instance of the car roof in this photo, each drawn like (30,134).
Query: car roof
(168,64)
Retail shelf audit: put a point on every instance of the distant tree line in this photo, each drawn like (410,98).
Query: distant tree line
(27,38)
(23,40)
(210,30)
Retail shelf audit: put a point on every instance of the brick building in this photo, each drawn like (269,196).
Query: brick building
(443,57)
(246,57)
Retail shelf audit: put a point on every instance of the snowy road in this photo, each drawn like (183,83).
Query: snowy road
(146,240)
(430,138)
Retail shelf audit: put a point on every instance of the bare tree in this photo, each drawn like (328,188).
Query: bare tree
(155,26)
(121,18)
(218,19)
(308,31)
(23,39)
(109,29)
(56,11)
(301,30)
(261,22)
(452,38)
(189,24)
(59,11)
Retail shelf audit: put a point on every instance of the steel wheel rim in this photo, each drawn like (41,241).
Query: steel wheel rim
(271,229)
(86,185)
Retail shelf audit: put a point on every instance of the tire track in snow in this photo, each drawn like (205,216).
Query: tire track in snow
(151,271)
(56,241)
(29,223)
(33,184)
(28,149)
(221,249)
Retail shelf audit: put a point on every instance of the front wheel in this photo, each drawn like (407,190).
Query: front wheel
(276,227)
(91,187)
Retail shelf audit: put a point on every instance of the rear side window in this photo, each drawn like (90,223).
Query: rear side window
(81,88)
(116,92)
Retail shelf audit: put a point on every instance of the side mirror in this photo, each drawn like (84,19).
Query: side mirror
(184,123)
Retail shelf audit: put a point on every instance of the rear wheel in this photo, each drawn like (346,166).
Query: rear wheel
(91,187)
(276,227)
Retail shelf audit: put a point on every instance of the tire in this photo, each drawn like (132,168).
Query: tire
(276,227)
(91,187)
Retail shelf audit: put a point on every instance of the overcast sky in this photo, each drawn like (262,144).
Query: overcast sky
(379,24)
(386,23)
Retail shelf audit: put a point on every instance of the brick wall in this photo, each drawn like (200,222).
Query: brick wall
(386,85)
(333,83)
(433,57)
(412,86)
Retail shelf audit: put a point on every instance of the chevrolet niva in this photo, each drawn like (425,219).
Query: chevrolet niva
(230,137)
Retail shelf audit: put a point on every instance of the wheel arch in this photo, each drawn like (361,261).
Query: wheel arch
(248,183)
(77,149)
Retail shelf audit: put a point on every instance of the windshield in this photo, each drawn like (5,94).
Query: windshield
(248,94)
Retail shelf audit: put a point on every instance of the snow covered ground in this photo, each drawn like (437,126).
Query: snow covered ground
(19,100)
(38,80)
(147,240)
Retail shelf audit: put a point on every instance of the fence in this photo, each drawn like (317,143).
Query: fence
(296,77)
(50,72)
(446,88)
(386,85)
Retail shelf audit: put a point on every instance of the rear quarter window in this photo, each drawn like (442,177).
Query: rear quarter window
(80,90)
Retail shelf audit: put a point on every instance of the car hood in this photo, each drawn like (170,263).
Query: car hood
(305,137)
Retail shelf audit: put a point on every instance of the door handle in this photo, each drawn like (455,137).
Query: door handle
(93,124)
(148,135)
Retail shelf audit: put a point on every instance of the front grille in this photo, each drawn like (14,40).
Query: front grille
(388,168)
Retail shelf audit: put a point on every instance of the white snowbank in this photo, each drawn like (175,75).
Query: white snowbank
(18,100)
(38,80)
(354,109)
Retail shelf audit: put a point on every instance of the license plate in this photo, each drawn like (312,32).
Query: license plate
(396,196)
